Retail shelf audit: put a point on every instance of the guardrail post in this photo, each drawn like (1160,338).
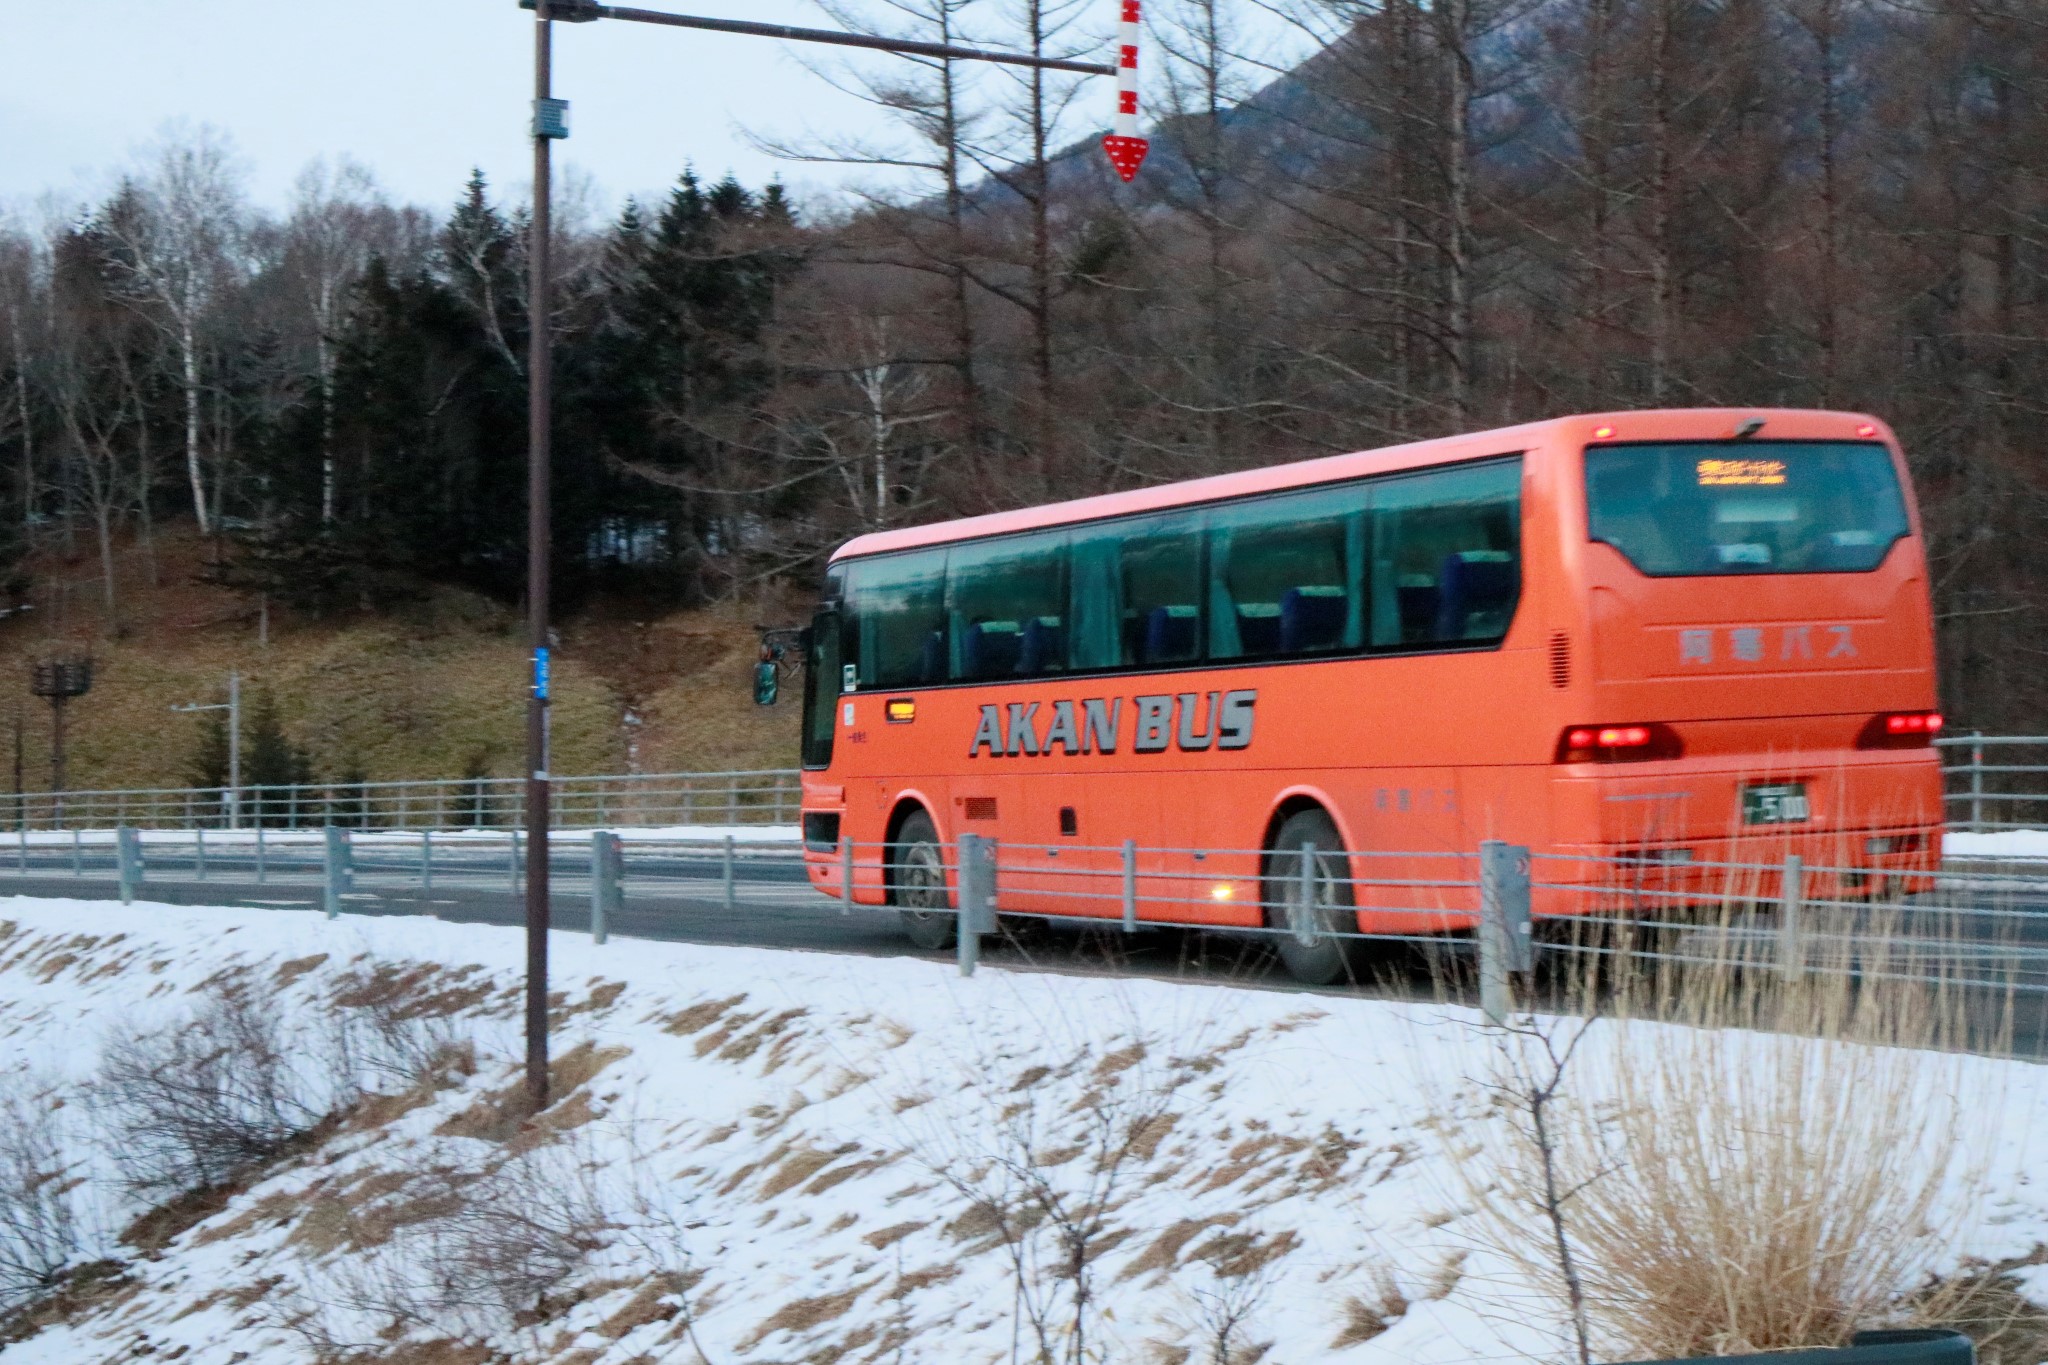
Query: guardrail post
(1505,941)
(1977,780)
(977,881)
(846,876)
(426,860)
(731,893)
(513,870)
(199,851)
(1791,898)
(78,853)
(128,855)
(604,881)
(259,847)
(1130,886)
(21,853)
(339,880)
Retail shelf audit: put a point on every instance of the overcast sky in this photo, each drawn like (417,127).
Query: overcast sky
(418,90)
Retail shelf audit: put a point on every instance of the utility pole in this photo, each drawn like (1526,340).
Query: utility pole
(551,121)
(231,799)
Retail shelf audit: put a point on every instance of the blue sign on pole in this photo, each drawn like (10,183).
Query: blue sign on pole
(540,673)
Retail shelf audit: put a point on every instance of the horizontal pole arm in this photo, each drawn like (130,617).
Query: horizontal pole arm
(582,11)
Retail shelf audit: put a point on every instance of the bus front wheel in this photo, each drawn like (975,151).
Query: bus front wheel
(1309,911)
(917,883)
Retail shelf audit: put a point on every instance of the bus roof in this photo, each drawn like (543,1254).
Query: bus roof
(1668,424)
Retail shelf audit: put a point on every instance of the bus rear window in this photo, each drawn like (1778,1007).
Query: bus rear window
(1745,507)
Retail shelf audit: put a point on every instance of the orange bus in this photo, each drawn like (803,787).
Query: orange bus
(1665,639)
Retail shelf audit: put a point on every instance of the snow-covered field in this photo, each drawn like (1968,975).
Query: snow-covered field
(2005,844)
(785,1156)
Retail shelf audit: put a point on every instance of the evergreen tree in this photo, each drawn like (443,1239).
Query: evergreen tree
(209,765)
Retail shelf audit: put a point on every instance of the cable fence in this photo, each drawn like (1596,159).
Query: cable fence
(765,797)
(1498,913)
(1995,782)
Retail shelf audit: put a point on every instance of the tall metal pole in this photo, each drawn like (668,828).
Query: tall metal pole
(538,482)
(549,123)
(234,750)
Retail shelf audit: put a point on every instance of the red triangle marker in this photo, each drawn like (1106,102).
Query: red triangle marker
(1126,154)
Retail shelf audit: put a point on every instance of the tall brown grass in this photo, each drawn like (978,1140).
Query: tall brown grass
(1704,1153)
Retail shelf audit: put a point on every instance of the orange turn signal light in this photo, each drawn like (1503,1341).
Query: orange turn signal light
(901,711)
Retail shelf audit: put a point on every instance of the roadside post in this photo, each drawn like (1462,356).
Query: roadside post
(1505,941)
(977,878)
(605,891)
(339,870)
(128,854)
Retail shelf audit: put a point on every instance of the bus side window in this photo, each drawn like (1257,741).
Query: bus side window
(895,611)
(1161,583)
(1446,555)
(1286,574)
(1006,603)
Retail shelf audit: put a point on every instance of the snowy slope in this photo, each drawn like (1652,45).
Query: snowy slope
(796,1144)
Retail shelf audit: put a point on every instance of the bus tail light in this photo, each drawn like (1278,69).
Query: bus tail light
(1640,742)
(1900,730)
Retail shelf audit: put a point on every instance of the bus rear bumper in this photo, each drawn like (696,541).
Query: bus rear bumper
(1878,862)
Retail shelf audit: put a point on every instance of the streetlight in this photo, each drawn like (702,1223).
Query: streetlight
(551,121)
(233,706)
(58,681)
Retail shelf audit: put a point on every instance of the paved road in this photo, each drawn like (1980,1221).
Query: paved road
(673,895)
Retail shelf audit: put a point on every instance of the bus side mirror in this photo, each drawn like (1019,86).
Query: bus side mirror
(767,682)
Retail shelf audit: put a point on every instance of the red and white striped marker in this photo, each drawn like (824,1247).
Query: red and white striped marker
(1126,149)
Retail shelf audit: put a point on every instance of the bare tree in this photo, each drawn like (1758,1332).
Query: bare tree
(338,220)
(20,268)
(177,256)
(926,231)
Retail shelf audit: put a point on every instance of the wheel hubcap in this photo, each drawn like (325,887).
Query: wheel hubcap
(921,879)
(1305,912)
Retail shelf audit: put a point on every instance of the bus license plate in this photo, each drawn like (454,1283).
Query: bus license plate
(1784,804)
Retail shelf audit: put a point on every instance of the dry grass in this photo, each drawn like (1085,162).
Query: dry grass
(1742,1159)
(416,693)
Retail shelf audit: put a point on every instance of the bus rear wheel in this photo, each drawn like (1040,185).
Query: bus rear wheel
(1308,924)
(917,883)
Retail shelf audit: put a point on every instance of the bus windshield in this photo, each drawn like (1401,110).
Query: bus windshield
(1700,508)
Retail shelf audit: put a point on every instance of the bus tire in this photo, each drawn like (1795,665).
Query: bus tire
(1305,943)
(917,883)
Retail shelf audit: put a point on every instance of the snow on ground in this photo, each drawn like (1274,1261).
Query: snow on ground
(2015,844)
(803,1138)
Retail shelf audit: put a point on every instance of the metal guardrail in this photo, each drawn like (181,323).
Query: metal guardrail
(768,796)
(1991,787)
